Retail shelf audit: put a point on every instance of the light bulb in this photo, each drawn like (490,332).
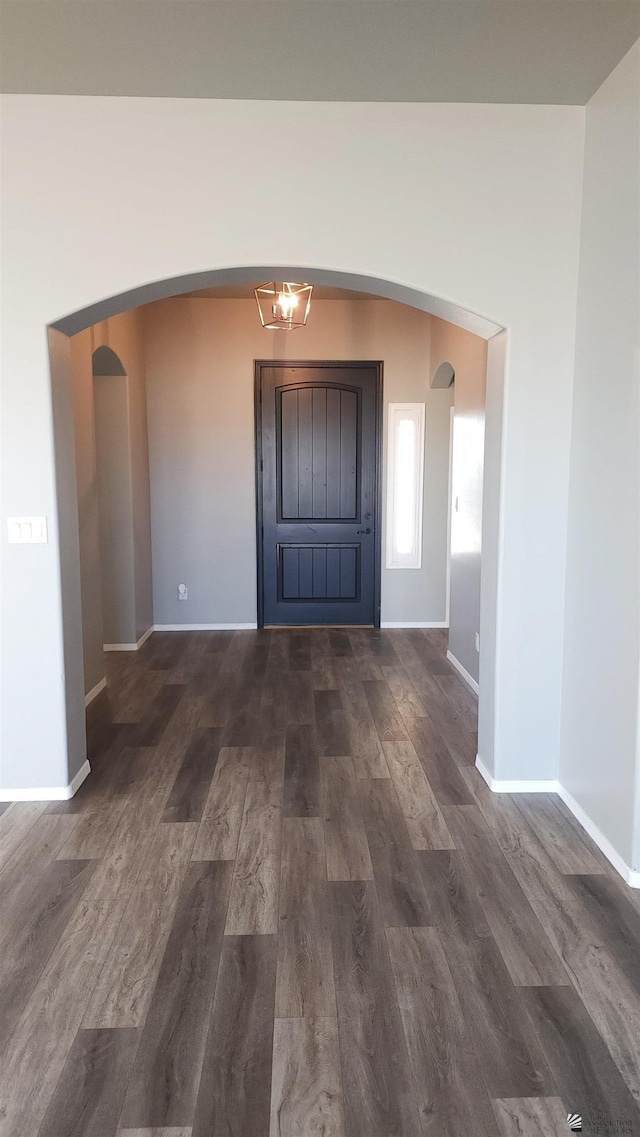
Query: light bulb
(287,304)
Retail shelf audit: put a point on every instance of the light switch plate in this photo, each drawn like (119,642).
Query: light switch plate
(27,530)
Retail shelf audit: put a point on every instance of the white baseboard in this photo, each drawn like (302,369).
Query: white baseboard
(629,875)
(463,673)
(48,793)
(94,692)
(205,627)
(130,647)
(516,785)
(414,624)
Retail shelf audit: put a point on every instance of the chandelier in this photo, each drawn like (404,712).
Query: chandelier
(283,305)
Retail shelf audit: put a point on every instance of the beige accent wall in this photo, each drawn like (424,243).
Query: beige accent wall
(116,583)
(200,354)
(468,356)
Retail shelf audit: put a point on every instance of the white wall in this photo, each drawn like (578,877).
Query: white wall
(599,759)
(468,356)
(475,204)
(115,541)
(88,512)
(200,389)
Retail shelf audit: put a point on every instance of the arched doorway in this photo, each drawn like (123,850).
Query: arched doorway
(70,324)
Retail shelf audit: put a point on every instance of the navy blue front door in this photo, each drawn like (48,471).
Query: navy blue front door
(317,432)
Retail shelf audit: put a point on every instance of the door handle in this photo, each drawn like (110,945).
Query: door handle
(362,531)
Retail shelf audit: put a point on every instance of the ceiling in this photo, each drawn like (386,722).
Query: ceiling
(511,51)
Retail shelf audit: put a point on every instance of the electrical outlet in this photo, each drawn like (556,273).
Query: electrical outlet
(182,592)
(477,641)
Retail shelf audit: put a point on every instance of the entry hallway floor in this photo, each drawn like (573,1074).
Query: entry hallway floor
(284,904)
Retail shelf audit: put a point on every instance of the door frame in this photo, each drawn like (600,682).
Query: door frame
(354,364)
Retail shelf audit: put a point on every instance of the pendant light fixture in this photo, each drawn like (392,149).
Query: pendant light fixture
(283,304)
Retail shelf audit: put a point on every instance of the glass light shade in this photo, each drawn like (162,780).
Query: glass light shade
(283,304)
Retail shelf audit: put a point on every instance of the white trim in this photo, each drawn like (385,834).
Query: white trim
(463,673)
(94,692)
(130,647)
(449,516)
(48,793)
(396,414)
(414,624)
(516,785)
(629,875)
(205,627)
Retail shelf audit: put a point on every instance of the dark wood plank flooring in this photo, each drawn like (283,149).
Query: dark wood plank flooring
(284,904)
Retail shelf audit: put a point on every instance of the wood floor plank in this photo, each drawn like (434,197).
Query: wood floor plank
(244,726)
(19,902)
(302,773)
(424,674)
(616,919)
(53,1014)
(527,952)
(339,643)
(463,702)
(181,1131)
(235,1087)
(323,675)
(191,786)
(306,1094)
(423,817)
(219,701)
(510,1057)
(348,856)
(25,953)
(531,1117)
(331,728)
(164,707)
(300,698)
(395,866)
(385,714)
(610,998)
(405,695)
(91,835)
(123,992)
(565,842)
(299,651)
(305,986)
(164,1084)
(267,761)
(15,823)
(364,743)
(253,905)
(88,1098)
(376,643)
(452,1098)
(443,775)
(587,1079)
(379,1099)
(219,829)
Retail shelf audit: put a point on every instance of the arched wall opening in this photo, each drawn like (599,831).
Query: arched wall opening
(59,337)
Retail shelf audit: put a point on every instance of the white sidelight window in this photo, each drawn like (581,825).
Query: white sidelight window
(405,475)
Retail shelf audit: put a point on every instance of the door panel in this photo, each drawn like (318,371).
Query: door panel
(318,449)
